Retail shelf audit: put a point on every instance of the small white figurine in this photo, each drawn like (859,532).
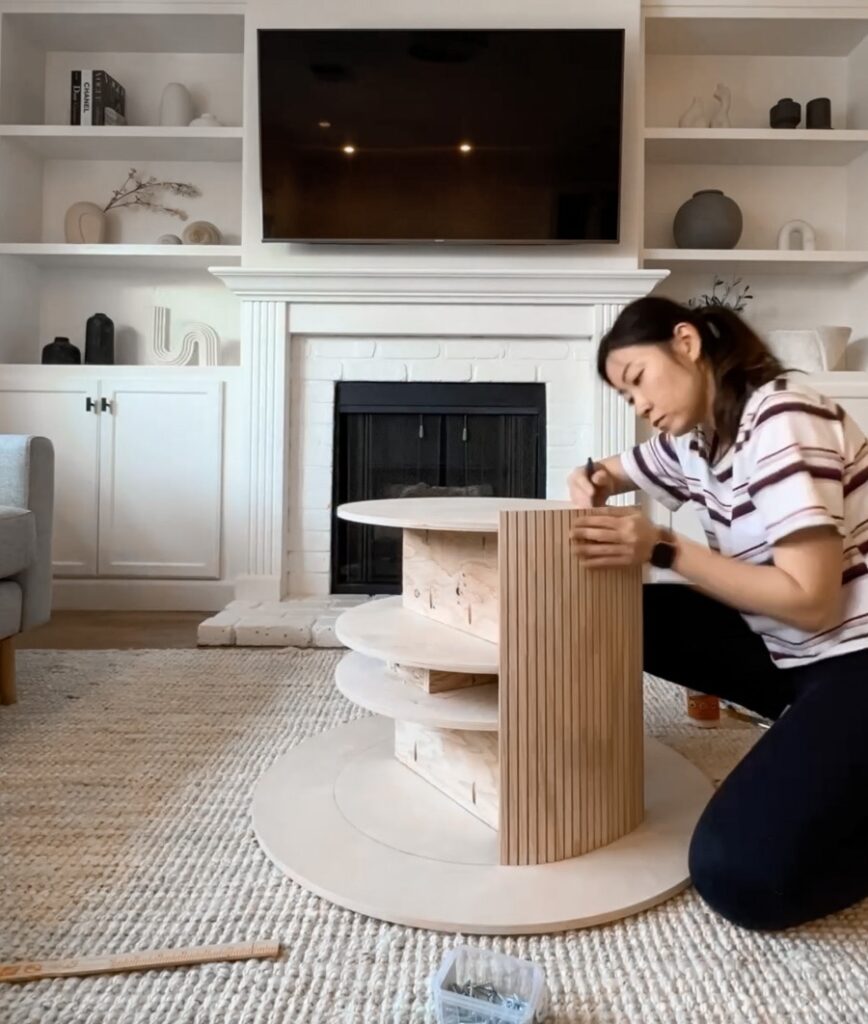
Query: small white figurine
(694,116)
(720,112)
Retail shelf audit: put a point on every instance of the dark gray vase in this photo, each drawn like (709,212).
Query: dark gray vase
(710,220)
(818,113)
(61,351)
(786,113)
(99,345)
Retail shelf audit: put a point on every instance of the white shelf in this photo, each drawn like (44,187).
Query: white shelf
(368,683)
(796,147)
(792,34)
(158,257)
(759,260)
(134,33)
(388,631)
(128,142)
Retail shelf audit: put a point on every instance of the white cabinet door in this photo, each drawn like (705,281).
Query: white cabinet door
(59,411)
(160,478)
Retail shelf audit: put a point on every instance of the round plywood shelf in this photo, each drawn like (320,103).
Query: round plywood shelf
(465,515)
(388,631)
(381,841)
(367,682)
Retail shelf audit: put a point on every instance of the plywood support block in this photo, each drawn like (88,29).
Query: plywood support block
(461,764)
(570,712)
(434,681)
(452,577)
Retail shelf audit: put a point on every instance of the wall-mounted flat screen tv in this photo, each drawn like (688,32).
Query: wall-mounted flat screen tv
(490,136)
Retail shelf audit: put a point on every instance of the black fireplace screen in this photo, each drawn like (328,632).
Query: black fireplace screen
(395,440)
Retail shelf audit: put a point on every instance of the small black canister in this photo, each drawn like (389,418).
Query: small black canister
(99,346)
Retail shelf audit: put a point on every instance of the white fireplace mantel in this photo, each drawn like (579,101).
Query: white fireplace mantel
(460,306)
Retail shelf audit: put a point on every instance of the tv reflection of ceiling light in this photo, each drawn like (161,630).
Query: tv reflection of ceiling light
(465,147)
(325,124)
(349,150)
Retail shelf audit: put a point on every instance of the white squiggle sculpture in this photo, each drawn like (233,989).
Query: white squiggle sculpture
(802,230)
(200,336)
(206,339)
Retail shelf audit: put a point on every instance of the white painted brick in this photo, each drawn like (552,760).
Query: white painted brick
(323,369)
(318,391)
(314,519)
(568,389)
(241,604)
(506,372)
(315,540)
(339,348)
(277,632)
(565,459)
(567,414)
(309,583)
(317,434)
(317,455)
(317,414)
(347,600)
(408,348)
(215,633)
(313,605)
(557,436)
(374,369)
(473,349)
(441,370)
(313,561)
(538,350)
(316,487)
(323,632)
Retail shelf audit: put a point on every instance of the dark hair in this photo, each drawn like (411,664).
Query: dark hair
(739,360)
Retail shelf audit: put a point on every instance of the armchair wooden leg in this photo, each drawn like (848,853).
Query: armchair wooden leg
(7,671)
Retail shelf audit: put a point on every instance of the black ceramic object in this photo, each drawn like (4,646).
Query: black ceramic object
(786,113)
(710,220)
(99,346)
(61,351)
(818,113)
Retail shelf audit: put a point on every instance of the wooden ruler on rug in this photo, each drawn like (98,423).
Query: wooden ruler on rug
(31,970)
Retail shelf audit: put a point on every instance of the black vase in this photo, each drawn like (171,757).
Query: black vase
(786,113)
(818,113)
(61,350)
(99,346)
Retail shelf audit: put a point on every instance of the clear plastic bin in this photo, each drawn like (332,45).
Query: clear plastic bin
(479,986)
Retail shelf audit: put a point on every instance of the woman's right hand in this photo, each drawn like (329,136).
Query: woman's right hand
(593,492)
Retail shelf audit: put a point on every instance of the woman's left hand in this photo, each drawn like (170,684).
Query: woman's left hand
(599,540)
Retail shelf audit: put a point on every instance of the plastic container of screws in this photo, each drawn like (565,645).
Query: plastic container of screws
(480,986)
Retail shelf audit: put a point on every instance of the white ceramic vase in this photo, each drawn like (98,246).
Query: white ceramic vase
(814,351)
(85,224)
(176,106)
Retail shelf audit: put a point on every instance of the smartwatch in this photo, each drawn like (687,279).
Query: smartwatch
(664,551)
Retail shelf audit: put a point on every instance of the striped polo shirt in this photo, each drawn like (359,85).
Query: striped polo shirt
(799,460)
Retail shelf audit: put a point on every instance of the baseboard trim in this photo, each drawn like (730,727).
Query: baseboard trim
(142,595)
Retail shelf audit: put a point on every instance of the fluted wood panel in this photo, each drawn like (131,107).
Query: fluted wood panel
(571,737)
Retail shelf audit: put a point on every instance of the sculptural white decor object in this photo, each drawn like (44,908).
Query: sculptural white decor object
(812,351)
(176,106)
(797,231)
(720,110)
(199,336)
(694,116)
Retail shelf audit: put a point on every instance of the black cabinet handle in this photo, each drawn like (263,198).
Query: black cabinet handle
(105,405)
(89,405)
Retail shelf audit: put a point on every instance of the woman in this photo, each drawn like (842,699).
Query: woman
(776,619)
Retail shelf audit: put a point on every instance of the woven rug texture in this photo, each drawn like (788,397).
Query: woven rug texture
(125,787)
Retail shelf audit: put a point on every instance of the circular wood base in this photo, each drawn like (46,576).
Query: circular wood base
(342,817)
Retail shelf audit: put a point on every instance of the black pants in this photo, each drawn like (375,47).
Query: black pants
(784,839)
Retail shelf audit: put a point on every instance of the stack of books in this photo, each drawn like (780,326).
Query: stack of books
(96,98)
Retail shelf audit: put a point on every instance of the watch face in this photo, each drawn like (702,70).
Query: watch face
(663,555)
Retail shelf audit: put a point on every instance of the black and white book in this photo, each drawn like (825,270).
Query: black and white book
(94,93)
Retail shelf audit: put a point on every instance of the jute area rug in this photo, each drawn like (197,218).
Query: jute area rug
(125,783)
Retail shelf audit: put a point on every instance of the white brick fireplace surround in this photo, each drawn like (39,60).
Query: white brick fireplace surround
(302,330)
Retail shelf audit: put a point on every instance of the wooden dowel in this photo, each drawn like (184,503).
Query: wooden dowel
(31,970)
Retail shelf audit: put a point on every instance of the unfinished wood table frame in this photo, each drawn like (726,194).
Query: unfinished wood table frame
(554,776)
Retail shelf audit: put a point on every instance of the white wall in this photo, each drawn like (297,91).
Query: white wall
(469,14)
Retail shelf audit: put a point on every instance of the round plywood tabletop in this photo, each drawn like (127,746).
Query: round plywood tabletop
(467,515)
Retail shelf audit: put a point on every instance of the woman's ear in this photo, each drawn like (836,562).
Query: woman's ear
(686,342)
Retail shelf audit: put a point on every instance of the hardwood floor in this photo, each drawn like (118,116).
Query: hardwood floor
(73,630)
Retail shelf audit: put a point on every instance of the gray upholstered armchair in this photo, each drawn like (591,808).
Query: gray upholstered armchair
(26,511)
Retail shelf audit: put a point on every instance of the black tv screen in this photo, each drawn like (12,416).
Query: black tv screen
(440,136)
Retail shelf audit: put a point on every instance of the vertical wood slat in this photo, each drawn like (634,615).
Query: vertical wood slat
(571,735)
